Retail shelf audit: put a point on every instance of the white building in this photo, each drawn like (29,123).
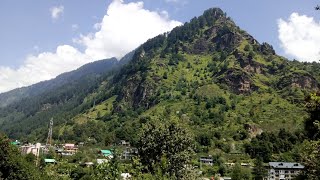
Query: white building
(207,160)
(31,148)
(283,170)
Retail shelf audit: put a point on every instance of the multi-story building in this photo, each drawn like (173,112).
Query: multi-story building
(69,149)
(283,170)
(31,148)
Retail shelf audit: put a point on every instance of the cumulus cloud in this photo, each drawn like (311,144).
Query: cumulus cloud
(124,27)
(43,66)
(56,12)
(300,37)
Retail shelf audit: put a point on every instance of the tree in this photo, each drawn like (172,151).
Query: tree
(310,158)
(240,173)
(165,147)
(312,123)
(13,165)
(310,151)
(259,171)
(109,170)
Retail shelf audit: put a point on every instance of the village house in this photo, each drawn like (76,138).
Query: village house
(50,161)
(31,148)
(69,149)
(206,160)
(106,154)
(283,170)
(124,143)
(128,153)
(88,164)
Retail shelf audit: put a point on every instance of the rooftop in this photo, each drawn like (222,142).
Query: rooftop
(15,143)
(49,160)
(286,165)
(106,152)
(69,145)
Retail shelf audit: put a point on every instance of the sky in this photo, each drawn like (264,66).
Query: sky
(42,39)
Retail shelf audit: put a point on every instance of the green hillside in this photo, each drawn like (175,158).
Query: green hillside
(208,74)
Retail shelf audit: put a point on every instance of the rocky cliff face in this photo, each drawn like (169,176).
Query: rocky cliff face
(248,63)
(297,80)
(304,82)
(239,82)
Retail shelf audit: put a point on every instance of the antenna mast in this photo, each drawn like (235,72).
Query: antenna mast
(49,139)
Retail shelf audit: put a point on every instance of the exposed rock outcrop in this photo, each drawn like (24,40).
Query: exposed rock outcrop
(238,81)
(296,80)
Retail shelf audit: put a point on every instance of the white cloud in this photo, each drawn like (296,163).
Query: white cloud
(41,67)
(300,37)
(122,29)
(56,12)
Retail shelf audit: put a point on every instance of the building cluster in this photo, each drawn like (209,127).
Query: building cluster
(69,149)
(276,170)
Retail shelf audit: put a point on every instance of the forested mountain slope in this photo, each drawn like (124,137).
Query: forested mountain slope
(36,89)
(209,74)
(26,109)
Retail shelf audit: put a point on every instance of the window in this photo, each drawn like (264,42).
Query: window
(286,172)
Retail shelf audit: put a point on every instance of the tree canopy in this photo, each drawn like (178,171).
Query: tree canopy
(13,165)
(167,147)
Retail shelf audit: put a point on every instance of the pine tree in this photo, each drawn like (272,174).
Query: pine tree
(259,171)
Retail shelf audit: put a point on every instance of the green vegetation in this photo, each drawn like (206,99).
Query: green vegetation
(240,173)
(15,166)
(165,148)
(234,99)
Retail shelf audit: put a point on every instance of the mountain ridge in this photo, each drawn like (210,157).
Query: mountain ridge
(14,95)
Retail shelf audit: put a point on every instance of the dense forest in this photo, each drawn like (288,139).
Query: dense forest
(226,94)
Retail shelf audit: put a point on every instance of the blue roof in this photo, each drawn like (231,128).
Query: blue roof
(106,152)
(286,165)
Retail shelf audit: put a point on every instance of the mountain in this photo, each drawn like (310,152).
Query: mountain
(210,74)
(65,91)
(15,95)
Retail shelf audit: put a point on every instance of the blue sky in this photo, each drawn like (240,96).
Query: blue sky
(30,32)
